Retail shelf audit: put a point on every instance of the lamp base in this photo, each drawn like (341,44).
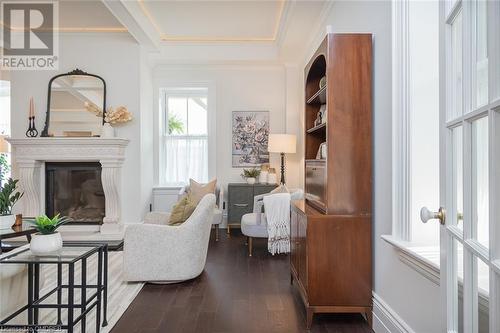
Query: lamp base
(282,181)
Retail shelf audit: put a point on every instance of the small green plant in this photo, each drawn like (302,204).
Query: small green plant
(250,173)
(9,196)
(46,225)
(175,125)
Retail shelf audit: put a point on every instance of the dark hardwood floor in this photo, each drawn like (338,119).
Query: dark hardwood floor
(235,293)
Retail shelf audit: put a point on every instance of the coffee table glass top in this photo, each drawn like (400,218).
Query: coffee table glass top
(24,228)
(67,255)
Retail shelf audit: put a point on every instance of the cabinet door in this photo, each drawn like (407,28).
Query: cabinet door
(294,227)
(302,253)
(240,202)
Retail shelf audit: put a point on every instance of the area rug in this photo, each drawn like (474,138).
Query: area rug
(120,294)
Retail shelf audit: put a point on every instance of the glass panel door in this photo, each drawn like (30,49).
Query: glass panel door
(470,128)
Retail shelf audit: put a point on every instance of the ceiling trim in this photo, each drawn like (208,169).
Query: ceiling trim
(71,29)
(171,38)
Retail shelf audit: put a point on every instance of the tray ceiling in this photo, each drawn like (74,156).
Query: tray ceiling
(214,20)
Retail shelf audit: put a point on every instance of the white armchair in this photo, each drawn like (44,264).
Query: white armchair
(255,224)
(218,210)
(156,252)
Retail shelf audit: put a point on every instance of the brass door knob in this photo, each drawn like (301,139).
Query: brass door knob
(426,215)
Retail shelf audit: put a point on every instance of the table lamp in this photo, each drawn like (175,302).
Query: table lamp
(283,144)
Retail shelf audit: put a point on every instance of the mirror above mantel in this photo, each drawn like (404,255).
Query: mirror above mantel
(76,105)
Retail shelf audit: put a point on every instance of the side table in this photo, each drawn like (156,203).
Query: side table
(69,255)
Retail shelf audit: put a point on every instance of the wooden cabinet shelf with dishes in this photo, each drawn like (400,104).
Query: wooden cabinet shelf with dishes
(331,260)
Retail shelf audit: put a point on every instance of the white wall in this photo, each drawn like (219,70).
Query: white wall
(412,296)
(237,88)
(116,58)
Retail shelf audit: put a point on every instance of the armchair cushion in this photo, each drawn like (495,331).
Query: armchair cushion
(182,211)
(254,225)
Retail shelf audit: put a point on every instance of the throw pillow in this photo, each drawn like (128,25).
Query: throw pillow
(181,211)
(197,191)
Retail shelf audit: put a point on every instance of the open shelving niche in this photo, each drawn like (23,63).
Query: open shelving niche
(315,97)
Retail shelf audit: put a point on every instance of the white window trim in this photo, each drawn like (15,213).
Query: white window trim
(162,83)
(401,148)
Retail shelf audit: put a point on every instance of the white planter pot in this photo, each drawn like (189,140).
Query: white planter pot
(107,131)
(251,180)
(45,244)
(7,221)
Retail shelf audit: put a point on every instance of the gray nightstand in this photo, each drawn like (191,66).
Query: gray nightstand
(240,200)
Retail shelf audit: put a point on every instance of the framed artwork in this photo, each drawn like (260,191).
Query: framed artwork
(250,138)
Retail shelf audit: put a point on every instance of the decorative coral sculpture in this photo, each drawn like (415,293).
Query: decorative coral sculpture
(119,115)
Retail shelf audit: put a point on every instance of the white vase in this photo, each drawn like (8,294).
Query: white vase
(45,244)
(7,221)
(251,180)
(263,177)
(272,178)
(107,131)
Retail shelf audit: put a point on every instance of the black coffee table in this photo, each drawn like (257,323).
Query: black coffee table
(69,255)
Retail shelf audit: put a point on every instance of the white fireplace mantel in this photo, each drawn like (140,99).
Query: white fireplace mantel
(29,155)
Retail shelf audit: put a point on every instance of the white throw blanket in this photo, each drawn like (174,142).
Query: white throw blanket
(277,207)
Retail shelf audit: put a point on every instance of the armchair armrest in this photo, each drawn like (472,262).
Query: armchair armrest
(182,191)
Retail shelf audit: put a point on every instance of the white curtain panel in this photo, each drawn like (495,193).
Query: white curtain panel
(184,157)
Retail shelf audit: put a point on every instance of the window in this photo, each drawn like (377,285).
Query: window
(416,123)
(184,135)
(5,124)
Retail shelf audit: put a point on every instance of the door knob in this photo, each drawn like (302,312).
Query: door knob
(426,215)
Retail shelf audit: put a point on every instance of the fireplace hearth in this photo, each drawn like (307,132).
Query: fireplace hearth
(74,189)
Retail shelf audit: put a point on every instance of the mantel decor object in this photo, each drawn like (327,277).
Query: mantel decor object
(32,132)
(79,97)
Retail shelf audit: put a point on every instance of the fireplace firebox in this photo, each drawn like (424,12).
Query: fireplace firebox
(75,190)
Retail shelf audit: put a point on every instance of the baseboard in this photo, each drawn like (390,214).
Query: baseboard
(386,320)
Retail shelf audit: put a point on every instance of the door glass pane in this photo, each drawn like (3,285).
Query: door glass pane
(457,158)
(483,296)
(458,280)
(456,67)
(481,54)
(480,180)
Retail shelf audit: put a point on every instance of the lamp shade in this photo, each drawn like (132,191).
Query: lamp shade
(4,145)
(282,143)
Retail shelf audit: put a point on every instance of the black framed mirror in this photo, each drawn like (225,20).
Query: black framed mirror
(76,105)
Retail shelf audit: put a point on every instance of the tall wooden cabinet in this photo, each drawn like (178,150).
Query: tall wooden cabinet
(331,230)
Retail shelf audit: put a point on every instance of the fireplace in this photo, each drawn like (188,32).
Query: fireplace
(74,189)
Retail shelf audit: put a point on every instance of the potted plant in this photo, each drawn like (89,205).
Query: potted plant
(250,175)
(47,240)
(8,198)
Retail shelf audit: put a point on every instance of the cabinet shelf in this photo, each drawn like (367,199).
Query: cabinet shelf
(317,129)
(319,97)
